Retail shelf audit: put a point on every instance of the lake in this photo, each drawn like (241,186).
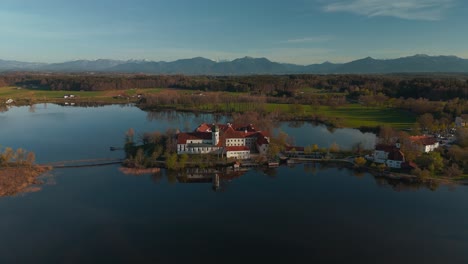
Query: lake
(308,213)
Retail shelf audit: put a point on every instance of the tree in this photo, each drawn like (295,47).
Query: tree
(387,135)
(8,155)
(360,161)
(20,156)
(315,148)
(381,167)
(171,161)
(273,150)
(432,161)
(30,158)
(358,148)
(462,137)
(453,171)
(426,121)
(183,160)
(307,150)
(129,136)
(140,158)
(334,147)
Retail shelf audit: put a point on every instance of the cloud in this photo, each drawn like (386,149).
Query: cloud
(315,39)
(405,9)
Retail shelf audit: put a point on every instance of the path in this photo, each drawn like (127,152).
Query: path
(83,163)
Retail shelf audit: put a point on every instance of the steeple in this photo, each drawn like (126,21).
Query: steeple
(398,144)
(215,134)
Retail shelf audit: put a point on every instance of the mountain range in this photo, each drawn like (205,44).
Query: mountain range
(420,63)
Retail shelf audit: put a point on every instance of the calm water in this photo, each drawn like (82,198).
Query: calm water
(304,214)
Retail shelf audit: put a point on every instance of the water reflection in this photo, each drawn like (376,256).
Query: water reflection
(219,180)
(404,186)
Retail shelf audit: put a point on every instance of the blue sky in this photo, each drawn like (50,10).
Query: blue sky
(295,31)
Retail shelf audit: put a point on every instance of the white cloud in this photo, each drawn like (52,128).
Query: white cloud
(405,9)
(315,39)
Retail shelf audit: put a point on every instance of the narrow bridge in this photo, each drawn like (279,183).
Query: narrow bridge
(83,163)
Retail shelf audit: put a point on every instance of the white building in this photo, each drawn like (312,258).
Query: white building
(426,143)
(461,121)
(391,156)
(235,142)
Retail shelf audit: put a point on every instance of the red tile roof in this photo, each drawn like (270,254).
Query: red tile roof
(261,139)
(296,148)
(227,131)
(424,140)
(394,153)
(224,127)
(386,148)
(183,137)
(409,165)
(204,128)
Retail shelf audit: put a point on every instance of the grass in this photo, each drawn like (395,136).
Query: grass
(37,95)
(356,115)
(350,115)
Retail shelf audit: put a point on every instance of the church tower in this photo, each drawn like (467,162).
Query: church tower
(215,135)
(398,144)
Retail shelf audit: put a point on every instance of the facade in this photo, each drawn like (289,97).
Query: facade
(234,141)
(389,155)
(461,121)
(426,143)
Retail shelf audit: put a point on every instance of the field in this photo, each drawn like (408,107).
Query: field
(356,115)
(22,95)
(351,115)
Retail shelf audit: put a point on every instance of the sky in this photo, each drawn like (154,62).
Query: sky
(293,31)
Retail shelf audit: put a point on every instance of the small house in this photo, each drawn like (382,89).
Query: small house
(461,121)
(426,143)
(389,155)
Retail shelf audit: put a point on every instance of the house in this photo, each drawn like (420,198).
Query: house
(426,143)
(235,141)
(389,155)
(461,121)
(294,150)
(9,101)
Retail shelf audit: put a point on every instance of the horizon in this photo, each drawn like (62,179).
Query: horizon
(301,32)
(229,60)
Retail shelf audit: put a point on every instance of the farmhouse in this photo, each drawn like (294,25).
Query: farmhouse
(461,121)
(426,143)
(390,155)
(233,141)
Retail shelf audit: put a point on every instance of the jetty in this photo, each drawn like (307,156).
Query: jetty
(83,163)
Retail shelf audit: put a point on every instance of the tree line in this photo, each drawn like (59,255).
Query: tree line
(431,87)
(16,158)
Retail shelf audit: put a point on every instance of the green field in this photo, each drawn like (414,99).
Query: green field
(356,115)
(351,115)
(36,95)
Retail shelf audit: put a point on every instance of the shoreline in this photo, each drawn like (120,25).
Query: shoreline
(16,180)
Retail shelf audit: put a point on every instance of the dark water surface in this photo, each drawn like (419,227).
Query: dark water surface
(304,214)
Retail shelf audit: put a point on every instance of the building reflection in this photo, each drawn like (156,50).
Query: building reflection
(219,180)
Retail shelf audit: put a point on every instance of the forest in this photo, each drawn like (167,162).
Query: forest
(431,87)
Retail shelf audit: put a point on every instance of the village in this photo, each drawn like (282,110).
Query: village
(244,144)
